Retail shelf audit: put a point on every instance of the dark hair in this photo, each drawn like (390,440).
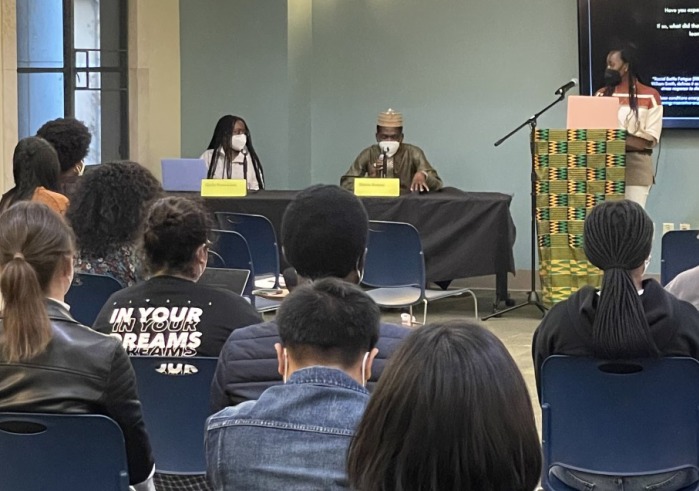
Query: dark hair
(628,56)
(617,239)
(329,320)
(324,232)
(33,239)
(108,208)
(174,229)
(222,139)
(34,164)
(450,411)
(69,137)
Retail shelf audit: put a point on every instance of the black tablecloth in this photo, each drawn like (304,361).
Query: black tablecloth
(463,234)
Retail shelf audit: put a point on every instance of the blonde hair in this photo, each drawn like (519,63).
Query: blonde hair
(33,240)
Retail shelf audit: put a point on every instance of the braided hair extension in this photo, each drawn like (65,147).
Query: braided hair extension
(617,239)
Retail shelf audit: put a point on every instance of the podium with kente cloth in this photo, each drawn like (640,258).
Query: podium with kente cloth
(575,170)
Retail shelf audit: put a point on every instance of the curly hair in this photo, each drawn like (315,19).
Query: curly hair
(174,229)
(69,137)
(108,208)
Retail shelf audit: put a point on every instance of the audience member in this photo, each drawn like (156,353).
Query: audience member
(35,169)
(170,314)
(451,411)
(49,363)
(107,213)
(230,153)
(296,435)
(685,286)
(71,139)
(324,234)
(628,318)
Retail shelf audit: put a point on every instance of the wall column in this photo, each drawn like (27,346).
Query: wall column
(8,90)
(154,82)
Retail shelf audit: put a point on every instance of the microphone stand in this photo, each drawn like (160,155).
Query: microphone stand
(532,295)
(384,168)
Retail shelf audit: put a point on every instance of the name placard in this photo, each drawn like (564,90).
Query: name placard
(377,187)
(224,188)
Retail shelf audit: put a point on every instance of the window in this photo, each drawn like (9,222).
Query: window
(72,61)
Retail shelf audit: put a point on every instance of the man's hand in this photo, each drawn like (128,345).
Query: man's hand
(375,168)
(419,182)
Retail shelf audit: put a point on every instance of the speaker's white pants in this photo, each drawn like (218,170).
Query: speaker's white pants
(639,194)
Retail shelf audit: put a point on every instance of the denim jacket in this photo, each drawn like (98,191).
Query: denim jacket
(295,436)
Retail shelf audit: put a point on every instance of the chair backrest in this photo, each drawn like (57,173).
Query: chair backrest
(174,393)
(230,250)
(261,237)
(394,256)
(679,252)
(87,295)
(620,417)
(61,452)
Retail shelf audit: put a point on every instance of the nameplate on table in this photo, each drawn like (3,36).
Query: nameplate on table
(224,188)
(376,187)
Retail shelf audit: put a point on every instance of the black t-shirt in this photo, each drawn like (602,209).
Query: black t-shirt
(169,316)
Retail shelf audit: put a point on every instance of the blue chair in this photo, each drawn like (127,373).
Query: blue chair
(679,252)
(174,393)
(395,268)
(622,418)
(229,249)
(261,237)
(61,452)
(87,295)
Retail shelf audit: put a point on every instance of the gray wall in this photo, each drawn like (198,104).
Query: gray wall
(311,75)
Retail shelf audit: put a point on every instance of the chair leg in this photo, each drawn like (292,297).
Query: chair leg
(424,315)
(475,303)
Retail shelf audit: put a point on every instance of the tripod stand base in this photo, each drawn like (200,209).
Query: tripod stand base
(532,299)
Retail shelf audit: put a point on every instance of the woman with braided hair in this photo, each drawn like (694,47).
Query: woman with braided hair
(640,114)
(629,317)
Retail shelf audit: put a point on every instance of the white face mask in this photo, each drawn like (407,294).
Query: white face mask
(389,147)
(238,142)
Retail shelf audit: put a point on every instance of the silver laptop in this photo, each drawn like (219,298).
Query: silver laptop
(183,174)
(233,280)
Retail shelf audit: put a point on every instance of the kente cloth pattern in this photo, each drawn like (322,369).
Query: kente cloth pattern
(575,170)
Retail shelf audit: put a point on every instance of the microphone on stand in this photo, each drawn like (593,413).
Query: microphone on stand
(566,87)
(384,168)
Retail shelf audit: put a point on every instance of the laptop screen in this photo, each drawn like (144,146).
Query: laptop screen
(226,279)
(183,174)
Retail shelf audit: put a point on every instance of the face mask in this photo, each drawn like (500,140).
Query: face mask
(389,148)
(612,77)
(238,142)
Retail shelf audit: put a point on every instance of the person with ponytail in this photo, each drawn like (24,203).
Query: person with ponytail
(629,317)
(640,114)
(231,155)
(49,363)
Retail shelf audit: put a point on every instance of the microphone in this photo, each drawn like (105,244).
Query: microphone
(565,88)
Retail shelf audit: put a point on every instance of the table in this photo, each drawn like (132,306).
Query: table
(463,234)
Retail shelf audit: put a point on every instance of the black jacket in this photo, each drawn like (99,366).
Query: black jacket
(248,363)
(567,328)
(80,372)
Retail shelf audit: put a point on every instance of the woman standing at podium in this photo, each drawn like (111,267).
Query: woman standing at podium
(230,154)
(640,114)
